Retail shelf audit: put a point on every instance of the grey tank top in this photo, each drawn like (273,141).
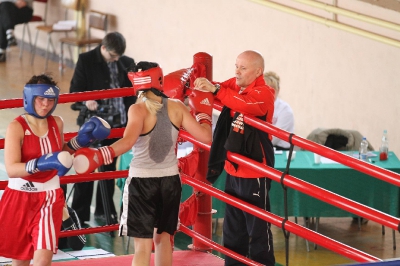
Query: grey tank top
(154,153)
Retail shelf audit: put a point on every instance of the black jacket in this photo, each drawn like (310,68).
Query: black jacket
(217,157)
(92,73)
(247,144)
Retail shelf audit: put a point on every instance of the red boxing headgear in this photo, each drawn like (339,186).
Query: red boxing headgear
(145,79)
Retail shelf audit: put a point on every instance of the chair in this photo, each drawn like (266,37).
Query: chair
(98,21)
(35,18)
(74,5)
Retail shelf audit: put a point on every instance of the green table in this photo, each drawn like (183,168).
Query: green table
(339,179)
(335,177)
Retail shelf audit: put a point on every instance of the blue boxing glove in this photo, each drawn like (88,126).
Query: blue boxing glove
(60,161)
(95,128)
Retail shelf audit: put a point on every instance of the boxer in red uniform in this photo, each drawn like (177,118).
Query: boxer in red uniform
(153,188)
(35,159)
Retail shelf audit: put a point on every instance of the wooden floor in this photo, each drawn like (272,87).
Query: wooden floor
(15,72)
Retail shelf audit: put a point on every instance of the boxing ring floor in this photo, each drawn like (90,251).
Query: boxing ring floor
(15,72)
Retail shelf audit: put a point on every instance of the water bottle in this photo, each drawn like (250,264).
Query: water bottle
(384,149)
(363,149)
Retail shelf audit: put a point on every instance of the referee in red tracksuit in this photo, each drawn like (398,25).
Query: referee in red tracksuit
(247,94)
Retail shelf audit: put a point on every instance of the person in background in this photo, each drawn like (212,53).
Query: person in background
(12,12)
(102,68)
(35,158)
(246,94)
(283,114)
(70,221)
(152,192)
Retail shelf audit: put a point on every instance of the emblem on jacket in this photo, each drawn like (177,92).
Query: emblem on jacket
(238,125)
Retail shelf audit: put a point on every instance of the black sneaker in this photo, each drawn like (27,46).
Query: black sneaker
(2,57)
(11,41)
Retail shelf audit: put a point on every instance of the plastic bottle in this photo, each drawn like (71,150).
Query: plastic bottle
(363,149)
(384,149)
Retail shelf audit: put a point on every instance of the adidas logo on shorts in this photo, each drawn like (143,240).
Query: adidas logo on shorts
(205,101)
(50,92)
(29,187)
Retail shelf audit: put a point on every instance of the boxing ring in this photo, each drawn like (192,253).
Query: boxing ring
(195,176)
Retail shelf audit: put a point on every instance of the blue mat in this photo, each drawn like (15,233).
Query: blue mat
(379,263)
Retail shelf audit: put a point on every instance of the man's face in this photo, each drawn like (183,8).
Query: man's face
(246,70)
(109,56)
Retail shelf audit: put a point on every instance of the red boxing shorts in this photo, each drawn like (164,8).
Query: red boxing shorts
(30,219)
